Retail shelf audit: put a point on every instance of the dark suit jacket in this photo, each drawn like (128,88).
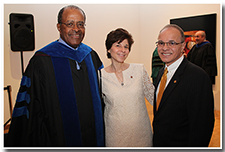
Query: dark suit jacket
(185,116)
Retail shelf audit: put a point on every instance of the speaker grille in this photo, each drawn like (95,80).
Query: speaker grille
(21,32)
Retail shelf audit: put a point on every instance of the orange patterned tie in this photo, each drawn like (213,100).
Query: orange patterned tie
(161,88)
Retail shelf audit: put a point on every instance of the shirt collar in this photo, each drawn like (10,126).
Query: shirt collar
(175,65)
(63,42)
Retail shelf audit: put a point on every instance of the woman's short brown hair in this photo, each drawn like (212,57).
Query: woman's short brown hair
(118,35)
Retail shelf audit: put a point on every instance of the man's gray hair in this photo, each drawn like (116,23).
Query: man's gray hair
(71,7)
(178,28)
(203,34)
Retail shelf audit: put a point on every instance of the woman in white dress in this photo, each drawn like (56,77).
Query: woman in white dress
(124,88)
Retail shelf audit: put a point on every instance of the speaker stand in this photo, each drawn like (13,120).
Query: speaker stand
(21,55)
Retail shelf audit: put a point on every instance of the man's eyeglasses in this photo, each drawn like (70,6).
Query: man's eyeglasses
(79,25)
(170,43)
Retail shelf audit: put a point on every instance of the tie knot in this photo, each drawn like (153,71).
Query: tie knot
(165,71)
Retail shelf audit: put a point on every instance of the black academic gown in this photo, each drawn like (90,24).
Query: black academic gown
(204,56)
(58,104)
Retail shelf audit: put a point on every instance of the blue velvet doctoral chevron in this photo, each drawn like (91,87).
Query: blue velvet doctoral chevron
(25,81)
(20,111)
(22,96)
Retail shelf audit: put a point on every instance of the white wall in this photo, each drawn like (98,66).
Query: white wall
(143,21)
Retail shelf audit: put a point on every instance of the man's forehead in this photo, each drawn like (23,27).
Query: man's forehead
(72,11)
(170,29)
(198,33)
(169,32)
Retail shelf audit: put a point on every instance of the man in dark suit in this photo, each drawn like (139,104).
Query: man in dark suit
(184,117)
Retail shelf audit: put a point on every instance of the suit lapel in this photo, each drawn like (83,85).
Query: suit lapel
(173,82)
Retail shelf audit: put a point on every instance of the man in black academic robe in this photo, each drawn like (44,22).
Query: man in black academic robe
(58,103)
(203,55)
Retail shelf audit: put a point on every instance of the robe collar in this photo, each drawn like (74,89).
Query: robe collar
(203,43)
(57,49)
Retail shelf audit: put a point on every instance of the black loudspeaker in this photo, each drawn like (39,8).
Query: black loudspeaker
(21,32)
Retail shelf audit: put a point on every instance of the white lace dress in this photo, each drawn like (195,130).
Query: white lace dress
(126,117)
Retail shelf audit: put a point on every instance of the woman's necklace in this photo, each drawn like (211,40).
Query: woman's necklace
(119,75)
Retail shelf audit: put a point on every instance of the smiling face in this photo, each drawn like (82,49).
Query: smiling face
(119,51)
(170,54)
(73,36)
(199,37)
